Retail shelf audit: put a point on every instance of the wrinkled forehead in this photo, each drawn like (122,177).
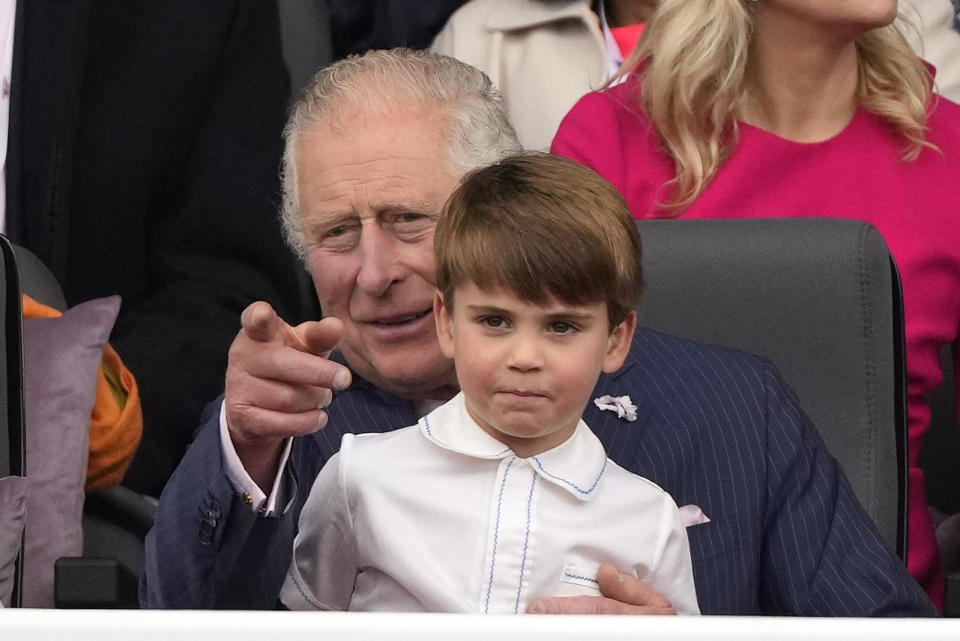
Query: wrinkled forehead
(372,134)
(379,166)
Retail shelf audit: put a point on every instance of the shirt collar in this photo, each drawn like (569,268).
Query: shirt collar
(576,465)
(614,57)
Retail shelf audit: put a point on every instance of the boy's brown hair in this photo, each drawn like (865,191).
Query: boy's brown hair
(540,226)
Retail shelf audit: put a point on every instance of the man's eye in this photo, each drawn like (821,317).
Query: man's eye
(494,322)
(411,226)
(336,238)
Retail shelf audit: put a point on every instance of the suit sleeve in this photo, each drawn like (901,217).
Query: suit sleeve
(207,548)
(216,246)
(821,554)
(325,561)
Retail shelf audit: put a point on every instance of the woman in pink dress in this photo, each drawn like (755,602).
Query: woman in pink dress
(772,108)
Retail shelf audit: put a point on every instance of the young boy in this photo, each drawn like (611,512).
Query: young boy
(503,495)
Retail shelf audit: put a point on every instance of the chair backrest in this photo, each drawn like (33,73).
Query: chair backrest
(819,298)
(938,460)
(306,39)
(941,445)
(12,460)
(12,436)
(37,281)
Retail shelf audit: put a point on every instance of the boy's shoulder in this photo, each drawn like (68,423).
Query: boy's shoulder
(631,487)
(376,444)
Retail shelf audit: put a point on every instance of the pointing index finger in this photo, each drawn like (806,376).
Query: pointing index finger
(261,322)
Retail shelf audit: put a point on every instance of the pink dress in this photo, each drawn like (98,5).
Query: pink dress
(856,174)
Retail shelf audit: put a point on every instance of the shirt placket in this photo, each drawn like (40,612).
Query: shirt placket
(510,540)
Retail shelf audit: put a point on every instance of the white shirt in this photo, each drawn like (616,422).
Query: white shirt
(442,517)
(8,13)
(279,498)
(614,57)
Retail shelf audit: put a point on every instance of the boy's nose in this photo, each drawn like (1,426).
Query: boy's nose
(525,355)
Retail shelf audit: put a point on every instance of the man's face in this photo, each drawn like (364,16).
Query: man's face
(370,196)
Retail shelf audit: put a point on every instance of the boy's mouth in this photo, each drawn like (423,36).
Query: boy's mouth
(519,393)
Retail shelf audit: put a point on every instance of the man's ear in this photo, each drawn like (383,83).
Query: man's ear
(443,318)
(618,343)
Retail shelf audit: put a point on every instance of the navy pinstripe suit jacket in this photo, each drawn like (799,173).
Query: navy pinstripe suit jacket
(716,428)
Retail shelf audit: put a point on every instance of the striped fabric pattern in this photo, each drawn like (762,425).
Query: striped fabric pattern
(715,428)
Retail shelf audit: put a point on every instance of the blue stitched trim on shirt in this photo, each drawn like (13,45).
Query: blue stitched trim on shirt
(582,578)
(496,533)
(526,540)
(570,483)
(304,593)
(426,424)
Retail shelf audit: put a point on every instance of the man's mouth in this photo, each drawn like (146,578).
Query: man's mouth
(400,320)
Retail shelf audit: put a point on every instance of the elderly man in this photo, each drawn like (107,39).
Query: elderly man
(373,149)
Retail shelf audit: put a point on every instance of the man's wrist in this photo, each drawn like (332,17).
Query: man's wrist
(261,459)
(256,471)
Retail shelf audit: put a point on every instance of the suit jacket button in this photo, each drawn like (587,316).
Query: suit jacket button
(206,533)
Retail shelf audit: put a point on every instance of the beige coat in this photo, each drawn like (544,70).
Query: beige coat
(938,42)
(541,55)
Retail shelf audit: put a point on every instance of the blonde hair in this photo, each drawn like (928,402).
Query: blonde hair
(692,62)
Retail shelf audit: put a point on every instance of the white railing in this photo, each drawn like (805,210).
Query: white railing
(132,625)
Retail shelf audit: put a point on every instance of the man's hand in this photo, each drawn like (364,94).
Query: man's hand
(622,594)
(279,378)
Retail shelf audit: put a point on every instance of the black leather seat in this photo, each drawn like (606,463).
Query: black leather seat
(820,298)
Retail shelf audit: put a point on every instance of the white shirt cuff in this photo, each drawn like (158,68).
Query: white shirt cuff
(253,496)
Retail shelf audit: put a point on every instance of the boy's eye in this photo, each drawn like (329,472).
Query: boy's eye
(493,321)
(562,327)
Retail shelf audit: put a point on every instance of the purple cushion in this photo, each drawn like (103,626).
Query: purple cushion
(60,360)
(13,504)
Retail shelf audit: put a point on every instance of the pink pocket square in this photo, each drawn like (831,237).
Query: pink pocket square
(692,515)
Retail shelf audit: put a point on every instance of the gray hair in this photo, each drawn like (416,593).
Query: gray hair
(478,131)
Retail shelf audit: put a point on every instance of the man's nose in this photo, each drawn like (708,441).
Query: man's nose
(379,267)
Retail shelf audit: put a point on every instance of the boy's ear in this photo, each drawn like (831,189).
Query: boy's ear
(618,343)
(444,321)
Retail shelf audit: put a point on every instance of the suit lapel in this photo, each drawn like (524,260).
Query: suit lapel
(362,409)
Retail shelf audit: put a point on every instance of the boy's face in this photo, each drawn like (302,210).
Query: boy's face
(527,371)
